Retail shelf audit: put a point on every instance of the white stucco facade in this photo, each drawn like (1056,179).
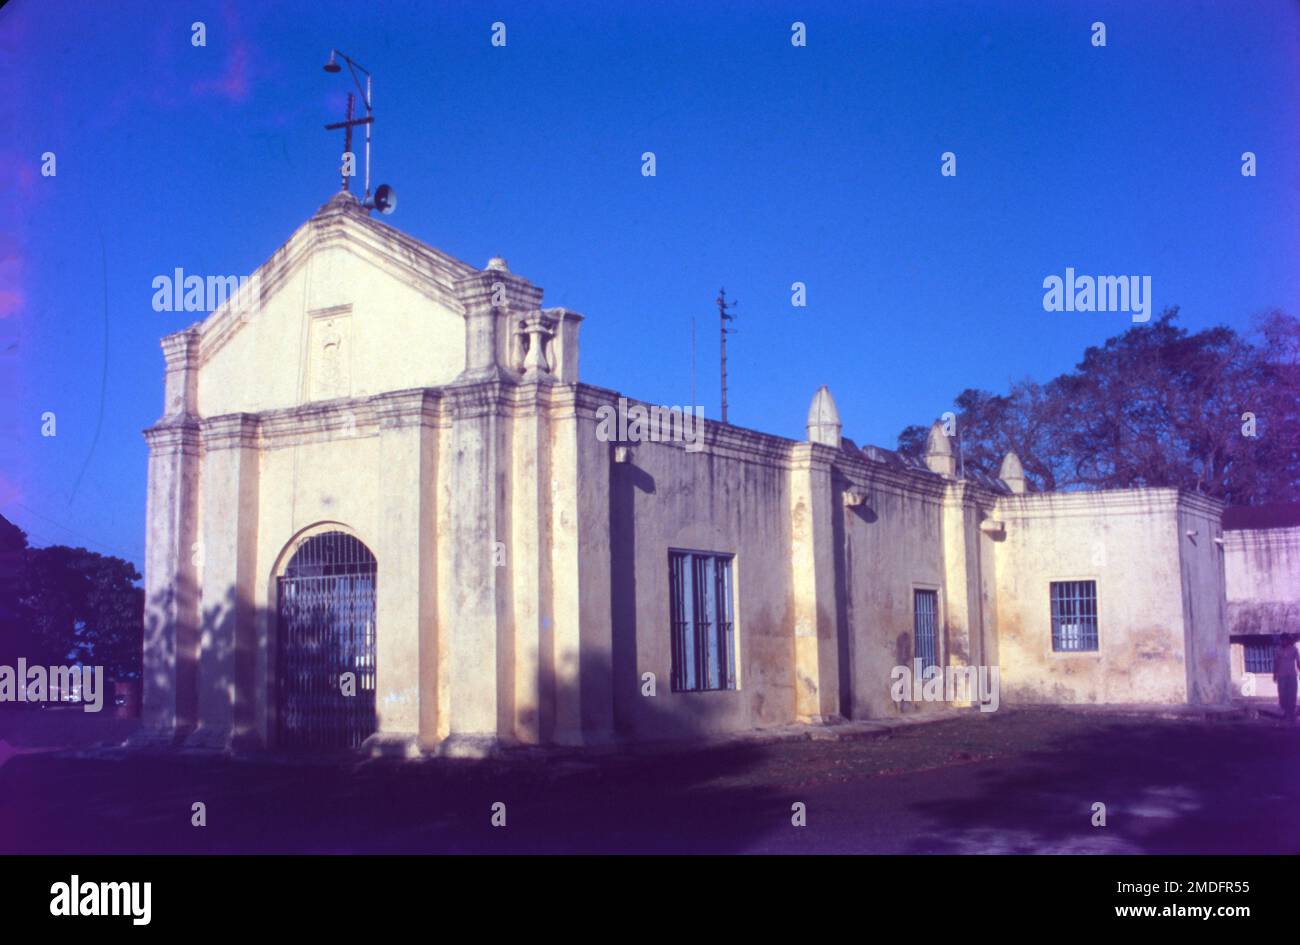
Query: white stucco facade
(434,412)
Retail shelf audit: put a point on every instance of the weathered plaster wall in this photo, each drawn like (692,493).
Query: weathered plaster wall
(1125,540)
(1204,600)
(322,319)
(893,546)
(576,515)
(329,331)
(311,484)
(172,636)
(367,468)
(725,499)
(970,575)
(1262,568)
(1263,580)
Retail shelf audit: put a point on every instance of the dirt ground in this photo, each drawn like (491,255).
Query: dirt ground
(1017,780)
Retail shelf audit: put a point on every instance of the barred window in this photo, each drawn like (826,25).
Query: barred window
(704,650)
(925,619)
(1074,616)
(1259,655)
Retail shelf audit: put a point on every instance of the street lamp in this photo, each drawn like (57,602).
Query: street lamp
(333,66)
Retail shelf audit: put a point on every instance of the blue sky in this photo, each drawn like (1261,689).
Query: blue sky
(775,164)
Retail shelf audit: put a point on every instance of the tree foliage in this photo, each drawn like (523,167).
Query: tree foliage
(61,605)
(1211,411)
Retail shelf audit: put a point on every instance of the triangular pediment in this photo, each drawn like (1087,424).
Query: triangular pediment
(341,223)
(348,306)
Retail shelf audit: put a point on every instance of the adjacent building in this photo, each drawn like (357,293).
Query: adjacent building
(1262,563)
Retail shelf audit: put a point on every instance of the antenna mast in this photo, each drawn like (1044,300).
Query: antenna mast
(723,318)
(692,361)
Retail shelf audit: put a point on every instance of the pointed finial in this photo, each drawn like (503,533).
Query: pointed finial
(938,453)
(824,419)
(1012,473)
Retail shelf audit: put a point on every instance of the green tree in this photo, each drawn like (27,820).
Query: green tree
(60,605)
(1153,406)
(13,570)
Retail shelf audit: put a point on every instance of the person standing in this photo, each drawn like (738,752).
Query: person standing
(1285,662)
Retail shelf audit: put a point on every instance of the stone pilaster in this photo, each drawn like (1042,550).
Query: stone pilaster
(959,606)
(228,566)
(406,693)
(524,561)
(171,622)
(565,344)
(181,376)
(471,586)
(171,631)
(581,634)
(813,588)
(968,563)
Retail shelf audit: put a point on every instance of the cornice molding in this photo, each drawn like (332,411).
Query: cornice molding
(1285,538)
(184,434)
(407,408)
(232,431)
(1108,501)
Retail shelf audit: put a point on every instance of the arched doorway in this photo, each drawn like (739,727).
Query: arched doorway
(325,630)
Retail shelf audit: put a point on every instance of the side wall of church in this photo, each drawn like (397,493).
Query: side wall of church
(1205,605)
(892,546)
(1128,544)
(732,497)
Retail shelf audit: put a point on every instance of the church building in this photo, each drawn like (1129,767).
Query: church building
(384,511)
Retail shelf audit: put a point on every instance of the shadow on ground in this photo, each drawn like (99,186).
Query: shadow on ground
(1167,786)
(61,805)
(1015,781)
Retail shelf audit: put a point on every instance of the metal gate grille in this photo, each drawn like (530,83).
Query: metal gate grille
(926,614)
(326,629)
